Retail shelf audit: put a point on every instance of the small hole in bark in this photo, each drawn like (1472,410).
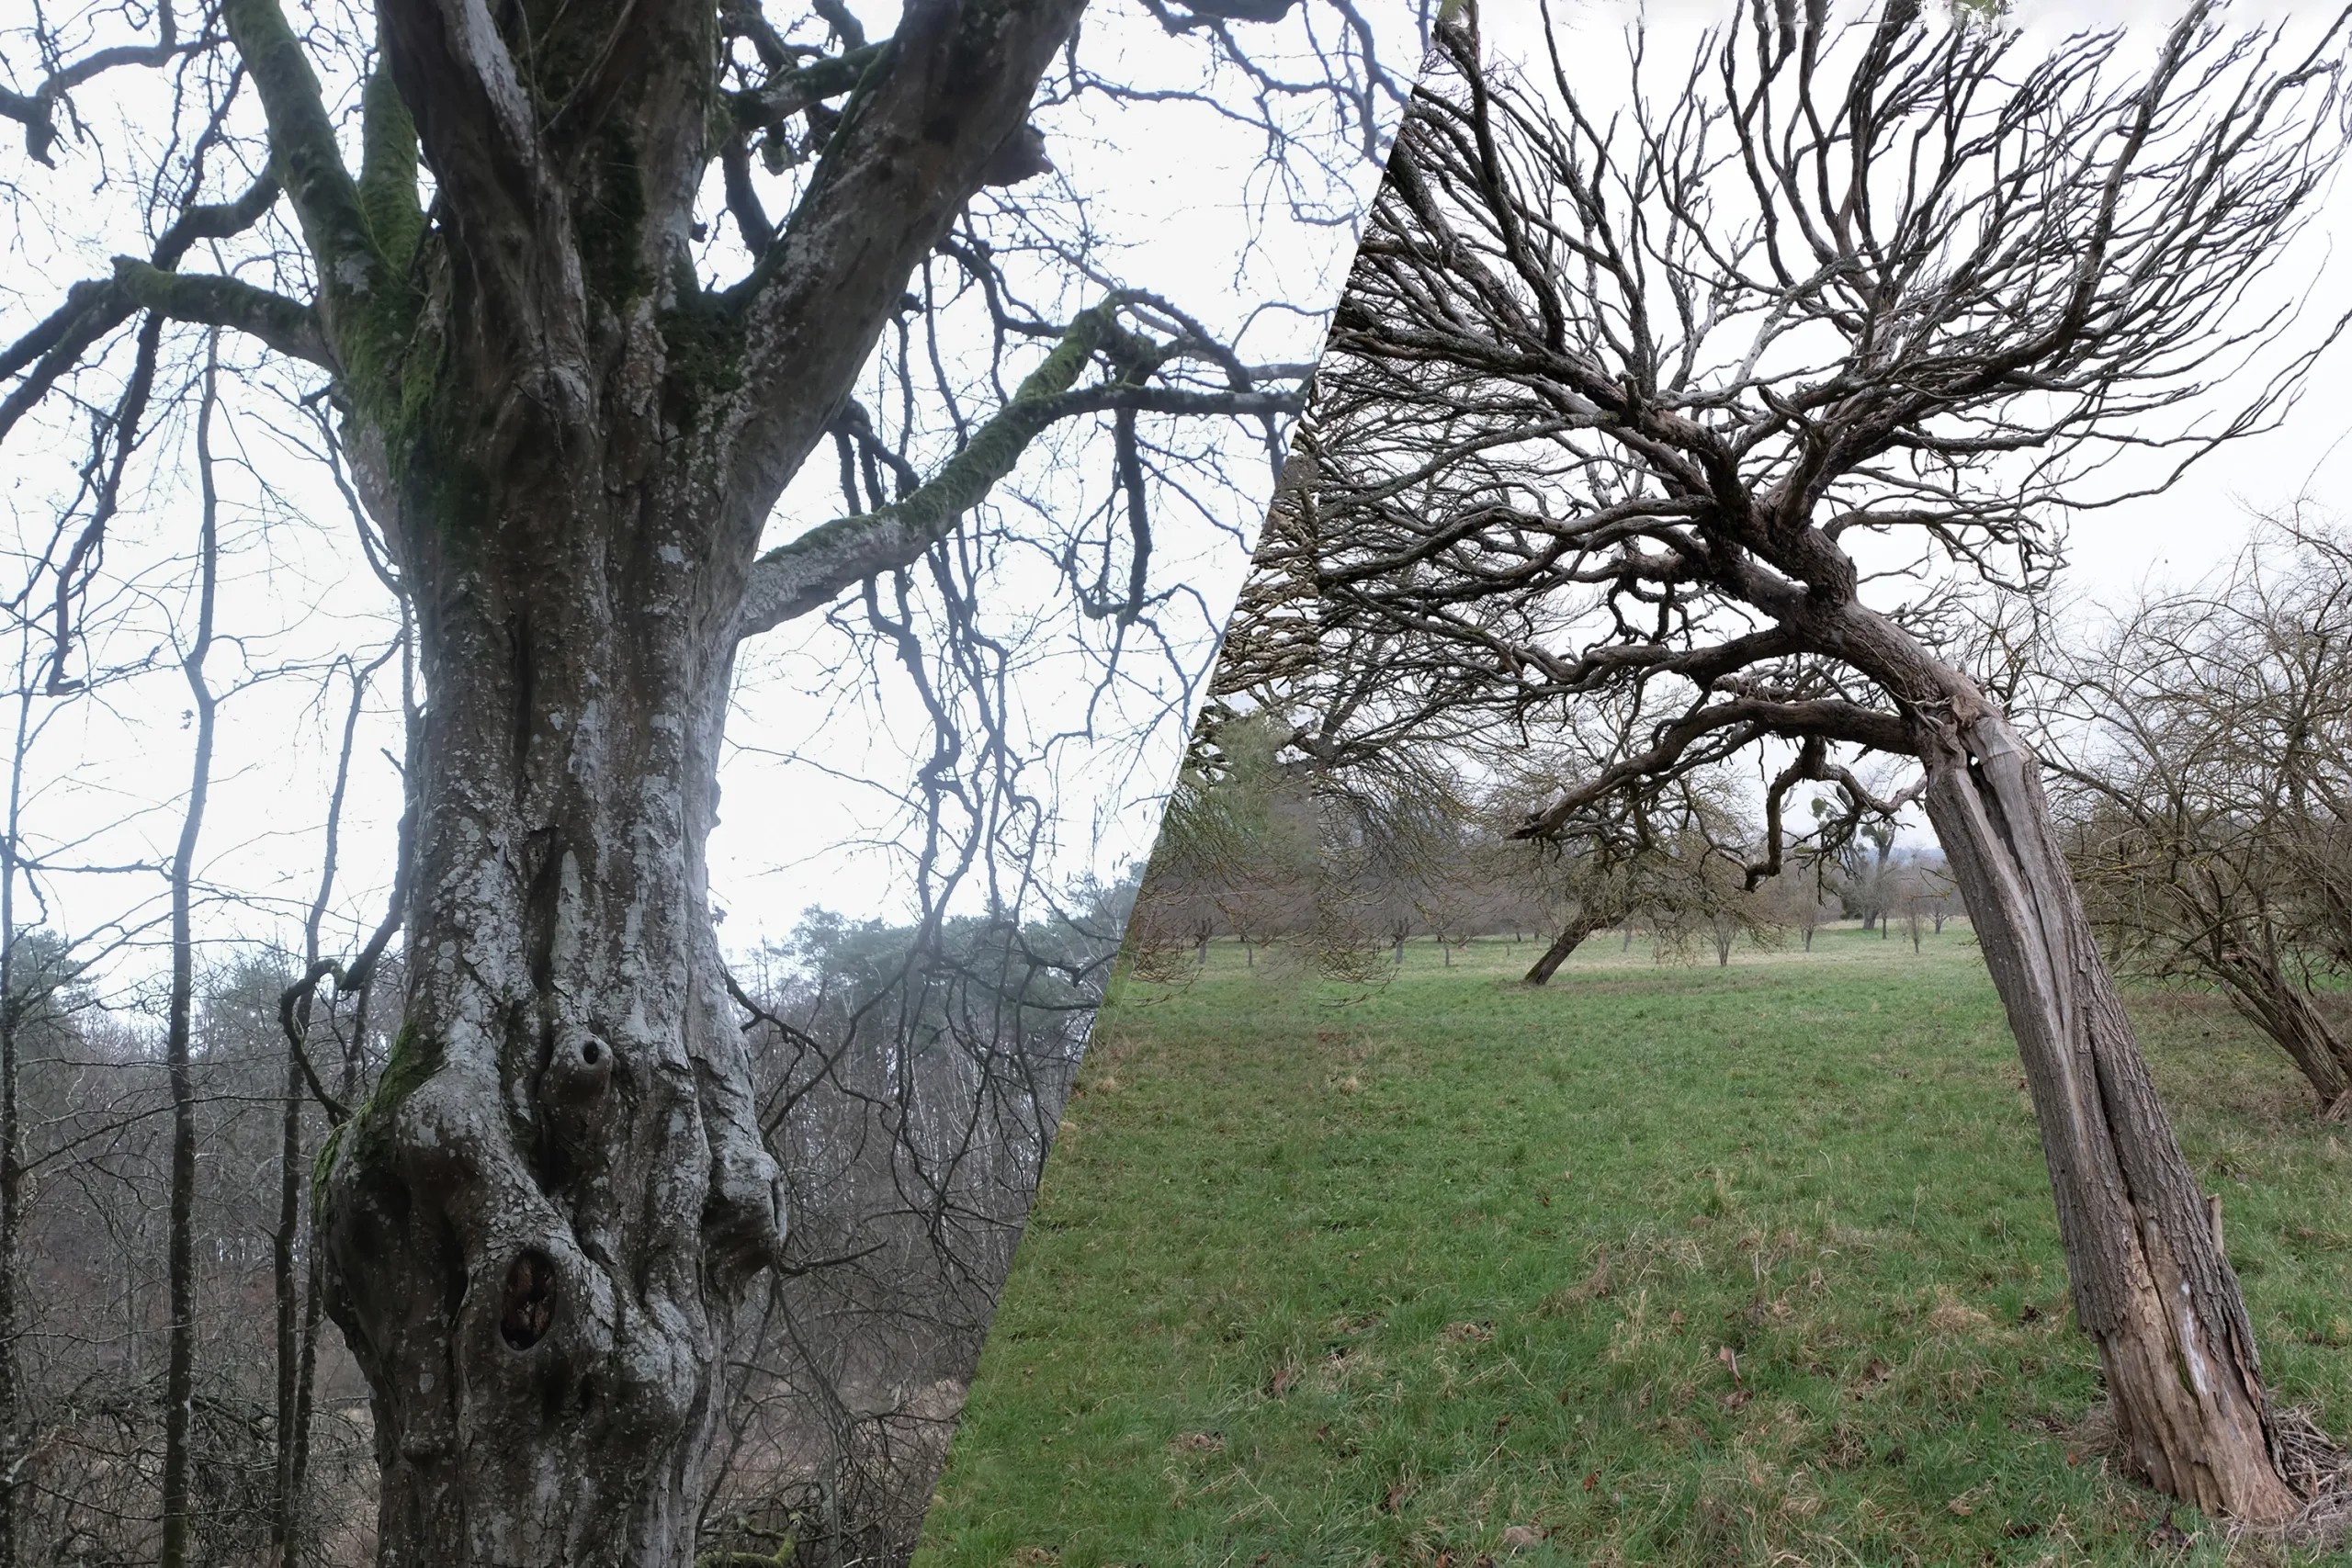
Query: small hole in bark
(530,1301)
(590,1053)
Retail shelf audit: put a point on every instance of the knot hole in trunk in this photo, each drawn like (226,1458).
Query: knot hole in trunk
(530,1301)
(594,1065)
(580,1067)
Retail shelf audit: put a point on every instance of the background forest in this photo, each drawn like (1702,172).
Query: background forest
(912,1141)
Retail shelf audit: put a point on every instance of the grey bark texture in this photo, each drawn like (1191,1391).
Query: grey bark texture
(532,1234)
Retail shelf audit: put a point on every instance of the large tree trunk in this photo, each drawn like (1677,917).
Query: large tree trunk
(536,1228)
(2150,1285)
(534,1232)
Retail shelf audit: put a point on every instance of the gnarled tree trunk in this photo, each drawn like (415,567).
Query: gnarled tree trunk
(534,1232)
(536,1227)
(2150,1285)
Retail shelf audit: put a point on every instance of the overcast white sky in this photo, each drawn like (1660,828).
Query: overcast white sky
(2204,520)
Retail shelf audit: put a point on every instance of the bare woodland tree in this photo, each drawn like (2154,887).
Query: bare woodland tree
(2204,742)
(1865,882)
(1643,397)
(1420,778)
(1799,901)
(1662,856)
(911,1121)
(574,292)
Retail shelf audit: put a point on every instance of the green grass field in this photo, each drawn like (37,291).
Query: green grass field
(1659,1265)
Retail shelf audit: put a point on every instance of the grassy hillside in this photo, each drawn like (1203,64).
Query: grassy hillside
(1672,1265)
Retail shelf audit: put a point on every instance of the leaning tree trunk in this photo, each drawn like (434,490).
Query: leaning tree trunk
(1572,935)
(2150,1285)
(2273,1003)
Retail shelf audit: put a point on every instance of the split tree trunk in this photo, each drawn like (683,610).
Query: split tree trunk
(2150,1284)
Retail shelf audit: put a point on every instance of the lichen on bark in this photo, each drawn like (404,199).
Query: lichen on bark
(414,1058)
